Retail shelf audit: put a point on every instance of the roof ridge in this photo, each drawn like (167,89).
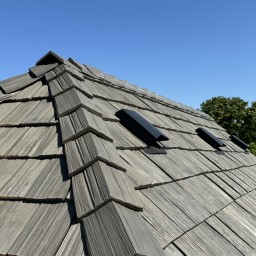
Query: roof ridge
(144,92)
(124,85)
(95,167)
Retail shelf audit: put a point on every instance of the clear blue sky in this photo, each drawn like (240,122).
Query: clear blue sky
(187,50)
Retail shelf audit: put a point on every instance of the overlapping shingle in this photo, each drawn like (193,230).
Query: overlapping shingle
(42,69)
(195,200)
(67,81)
(117,230)
(27,113)
(17,83)
(73,99)
(99,184)
(74,243)
(87,149)
(43,233)
(81,122)
(29,142)
(33,179)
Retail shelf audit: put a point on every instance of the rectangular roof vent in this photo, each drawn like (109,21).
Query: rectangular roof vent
(210,138)
(238,142)
(140,127)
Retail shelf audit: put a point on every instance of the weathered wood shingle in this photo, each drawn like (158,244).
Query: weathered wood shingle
(58,126)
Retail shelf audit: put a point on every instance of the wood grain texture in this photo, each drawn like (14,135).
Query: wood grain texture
(87,149)
(163,227)
(73,99)
(100,183)
(204,240)
(27,113)
(61,69)
(42,69)
(66,81)
(231,236)
(141,169)
(33,179)
(179,164)
(73,244)
(30,142)
(45,230)
(81,122)
(124,139)
(223,185)
(117,230)
(171,250)
(240,221)
(17,83)
(37,90)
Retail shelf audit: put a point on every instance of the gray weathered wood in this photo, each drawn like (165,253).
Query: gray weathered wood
(236,177)
(143,172)
(33,179)
(172,211)
(35,91)
(231,183)
(171,250)
(192,163)
(163,227)
(73,243)
(81,122)
(45,230)
(100,183)
(247,175)
(206,192)
(241,222)
(123,139)
(117,230)
(32,142)
(66,81)
(42,69)
(108,110)
(203,240)
(220,160)
(87,149)
(220,183)
(31,112)
(80,66)
(232,237)
(17,83)
(14,217)
(188,203)
(73,99)
(248,202)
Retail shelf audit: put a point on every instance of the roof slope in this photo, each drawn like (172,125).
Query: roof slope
(74,181)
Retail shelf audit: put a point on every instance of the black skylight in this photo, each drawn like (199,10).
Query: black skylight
(238,142)
(141,128)
(210,138)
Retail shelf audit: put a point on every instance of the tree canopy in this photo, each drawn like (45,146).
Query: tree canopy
(235,115)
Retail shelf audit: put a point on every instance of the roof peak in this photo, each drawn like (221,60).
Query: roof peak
(50,58)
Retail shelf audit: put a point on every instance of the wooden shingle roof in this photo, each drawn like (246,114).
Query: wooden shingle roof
(74,181)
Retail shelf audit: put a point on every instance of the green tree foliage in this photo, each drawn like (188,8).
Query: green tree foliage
(235,116)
